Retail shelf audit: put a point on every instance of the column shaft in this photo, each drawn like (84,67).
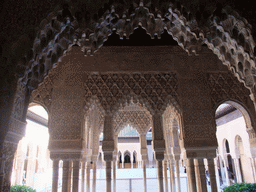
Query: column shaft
(108,176)
(75,184)
(55,175)
(191,175)
(226,172)
(211,169)
(82,176)
(177,167)
(238,170)
(165,175)
(114,176)
(160,175)
(200,175)
(172,177)
(65,176)
(94,177)
(88,177)
(217,174)
(144,175)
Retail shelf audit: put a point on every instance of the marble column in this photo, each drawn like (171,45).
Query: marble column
(55,175)
(65,176)
(83,176)
(158,145)
(70,175)
(226,172)
(177,167)
(114,175)
(144,175)
(217,173)
(165,175)
(172,177)
(200,175)
(160,175)
(108,147)
(88,177)
(253,168)
(238,170)
(211,169)
(94,174)
(108,176)
(191,175)
(75,183)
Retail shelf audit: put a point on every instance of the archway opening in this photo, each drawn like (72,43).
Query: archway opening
(32,164)
(233,123)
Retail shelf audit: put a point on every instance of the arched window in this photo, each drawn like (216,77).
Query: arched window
(127,157)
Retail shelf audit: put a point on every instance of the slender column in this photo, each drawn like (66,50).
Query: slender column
(108,147)
(226,172)
(94,177)
(108,175)
(65,176)
(172,177)
(76,166)
(144,175)
(114,175)
(160,175)
(217,174)
(55,175)
(82,176)
(165,175)
(211,169)
(253,169)
(88,171)
(191,175)
(123,161)
(177,167)
(200,175)
(238,170)
(70,175)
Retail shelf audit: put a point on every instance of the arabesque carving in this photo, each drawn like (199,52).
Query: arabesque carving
(224,31)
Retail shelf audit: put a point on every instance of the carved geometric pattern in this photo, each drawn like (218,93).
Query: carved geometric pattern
(19,101)
(139,120)
(156,89)
(224,86)
(225,32)
(43,94)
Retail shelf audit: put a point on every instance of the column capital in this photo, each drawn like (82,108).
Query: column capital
(108,146)
(200,153)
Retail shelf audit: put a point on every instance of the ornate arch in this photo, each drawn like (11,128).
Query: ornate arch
(223,31)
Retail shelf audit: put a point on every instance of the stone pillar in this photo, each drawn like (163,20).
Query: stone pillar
(226,172)
(165,175)
(177,167)
(191,175)
(200,175)
(76,167)
(108,146)
(159,146)
(114,175)
(160,175)
(88,171)
(83,176)
(172,177)
(211,169)
(108,176)
(253,169)
(144,157)
(144,175)
(94,176)
(216,173)
(70,175)
(238,170)
(65,176)
(55,175)
(123,161)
